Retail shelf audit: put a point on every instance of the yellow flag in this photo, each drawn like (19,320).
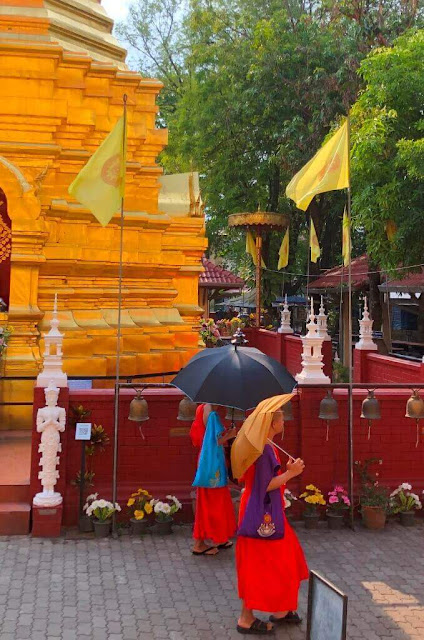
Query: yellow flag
(346,246)
(314,244)
(251,248)
(327,171)
(284,251)
(100,185)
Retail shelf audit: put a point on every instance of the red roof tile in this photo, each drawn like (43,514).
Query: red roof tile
(215,277)
(413,282)
(331,278)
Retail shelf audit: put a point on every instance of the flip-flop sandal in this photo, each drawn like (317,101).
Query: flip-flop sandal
(205,552)
(258,628)
(291,618)
(226,545)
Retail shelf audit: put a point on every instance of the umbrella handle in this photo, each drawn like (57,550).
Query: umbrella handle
(281,449)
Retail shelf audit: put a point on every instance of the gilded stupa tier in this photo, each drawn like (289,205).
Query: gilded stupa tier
(60,98)
(76,25)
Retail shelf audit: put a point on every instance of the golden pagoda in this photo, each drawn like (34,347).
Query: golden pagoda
(63,77)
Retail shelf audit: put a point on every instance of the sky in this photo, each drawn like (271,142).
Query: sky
(116,9)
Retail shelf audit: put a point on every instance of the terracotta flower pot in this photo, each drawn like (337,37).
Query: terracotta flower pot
(85,524)
(102,528)
(335,521)
(407,518)
(138,527)
(311,520)
(373,517)
(163,527)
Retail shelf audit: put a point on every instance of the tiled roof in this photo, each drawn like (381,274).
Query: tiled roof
(215,277)
(332,278)
(413,282)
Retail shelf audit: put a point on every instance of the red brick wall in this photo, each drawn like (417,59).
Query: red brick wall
(292,358)
(165,461)
(386,369)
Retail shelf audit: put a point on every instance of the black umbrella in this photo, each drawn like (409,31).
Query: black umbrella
(233,376)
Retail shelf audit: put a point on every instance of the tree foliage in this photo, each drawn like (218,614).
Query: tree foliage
(388,158)
(251,90)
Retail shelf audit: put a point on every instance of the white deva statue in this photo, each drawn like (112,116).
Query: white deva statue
(51,419)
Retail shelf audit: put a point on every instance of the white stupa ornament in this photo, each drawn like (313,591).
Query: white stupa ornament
(285,326)
(322,323)
(365,331)
(53,357)
(312,362)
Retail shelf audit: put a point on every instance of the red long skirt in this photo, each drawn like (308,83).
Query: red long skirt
(269,572)
(214,519)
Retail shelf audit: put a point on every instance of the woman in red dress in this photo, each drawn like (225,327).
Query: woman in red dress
(214,518)
(269,571)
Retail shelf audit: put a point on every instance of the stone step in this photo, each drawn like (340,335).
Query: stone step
(14,493)
(14,518)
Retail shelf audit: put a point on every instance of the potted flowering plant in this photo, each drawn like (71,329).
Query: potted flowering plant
(209,333)
(85,521)
(404,502)
(164,512)
(312,496)
(289,498)
(373,498)
(102,511)
(139,506)
(338,503)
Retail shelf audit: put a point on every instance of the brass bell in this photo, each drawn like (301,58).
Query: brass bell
(371,407)
(415,406)
(235,415)
(186,410)
(139,411)
(328,408)
(288,411)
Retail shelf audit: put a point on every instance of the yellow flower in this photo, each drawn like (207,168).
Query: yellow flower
(148,508)
(130,502)
(311,487)
(311,499)
(303,495)
(134,495)
(138,515)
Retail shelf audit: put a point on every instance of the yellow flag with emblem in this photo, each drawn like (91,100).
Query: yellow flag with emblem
(314,244)
(251,248)
(283,253)
(100,185)
(327,171)
(346,240)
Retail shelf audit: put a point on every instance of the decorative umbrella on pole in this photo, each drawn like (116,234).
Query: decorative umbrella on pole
(260,222)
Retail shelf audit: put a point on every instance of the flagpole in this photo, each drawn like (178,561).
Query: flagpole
(308,266)
(118,339)
(349,341)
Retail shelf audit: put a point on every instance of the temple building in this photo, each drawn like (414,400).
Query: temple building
(63,78)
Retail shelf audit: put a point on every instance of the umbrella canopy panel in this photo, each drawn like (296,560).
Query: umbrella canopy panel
(238,377)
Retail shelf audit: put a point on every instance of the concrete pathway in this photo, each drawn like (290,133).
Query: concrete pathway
(128,589)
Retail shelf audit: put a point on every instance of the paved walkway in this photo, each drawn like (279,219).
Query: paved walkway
(130,589)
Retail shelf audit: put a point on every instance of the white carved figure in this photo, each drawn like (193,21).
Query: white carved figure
(366,342)
(51,420)
(312,361)
(322,323)
(285,326)
(52,356)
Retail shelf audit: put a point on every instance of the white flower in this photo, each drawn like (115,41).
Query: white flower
(166,508)
(176,502)
(158,506)
(89,510)
(117,507)
(102,504)
(406,487)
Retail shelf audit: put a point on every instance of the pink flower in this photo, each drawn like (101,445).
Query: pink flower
(339,489)
(333,500)
(346,500)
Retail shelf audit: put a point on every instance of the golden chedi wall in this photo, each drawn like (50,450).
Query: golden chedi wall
(63,77)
